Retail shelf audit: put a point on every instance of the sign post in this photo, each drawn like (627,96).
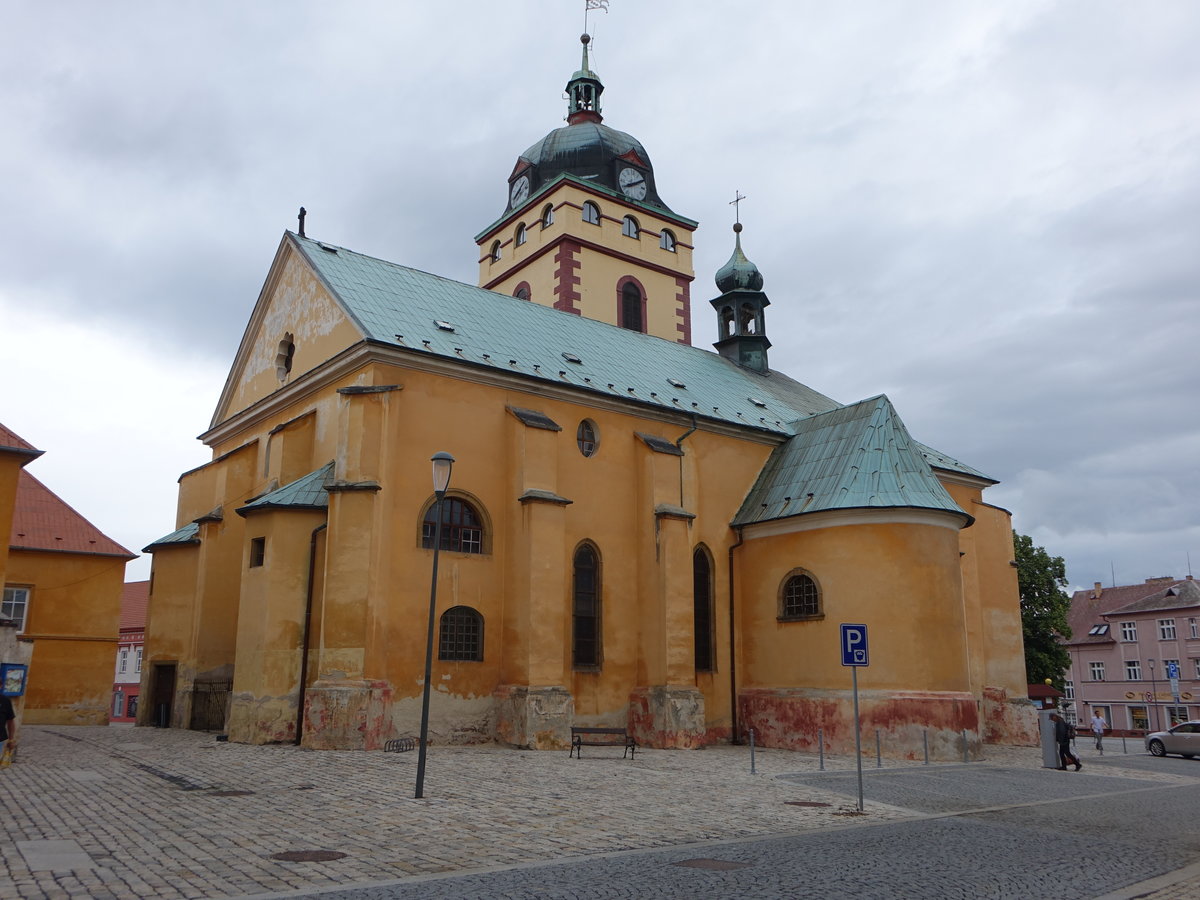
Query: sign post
(854,654)
(1173,675)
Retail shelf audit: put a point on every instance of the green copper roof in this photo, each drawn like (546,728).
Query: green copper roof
(303,493)
(426,314)
(854,457)
(188,534)
(739,274)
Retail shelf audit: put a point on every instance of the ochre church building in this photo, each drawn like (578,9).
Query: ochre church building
(637,532)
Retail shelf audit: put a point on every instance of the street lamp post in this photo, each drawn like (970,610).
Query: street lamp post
(442,464)
(1154,696)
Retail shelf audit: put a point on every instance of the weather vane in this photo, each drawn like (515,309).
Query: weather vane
(589,5)
(738,197)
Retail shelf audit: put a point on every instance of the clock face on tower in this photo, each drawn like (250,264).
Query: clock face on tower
(519,191)
(632,183)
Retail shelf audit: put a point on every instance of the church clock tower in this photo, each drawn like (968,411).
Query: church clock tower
(585,231)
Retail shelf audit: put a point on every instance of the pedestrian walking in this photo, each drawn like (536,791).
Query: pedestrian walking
(1064,734)
(1099,726)
(8,731)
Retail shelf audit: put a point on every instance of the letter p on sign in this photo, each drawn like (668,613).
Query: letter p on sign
(854,645)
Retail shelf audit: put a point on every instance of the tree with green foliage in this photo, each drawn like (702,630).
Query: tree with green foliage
(1044,608)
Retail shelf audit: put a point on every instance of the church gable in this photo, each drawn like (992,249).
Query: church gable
(297,324)
(854,457)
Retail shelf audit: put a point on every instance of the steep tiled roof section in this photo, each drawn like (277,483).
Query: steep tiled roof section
(11,442)
(493,331)
(303,493)
(1088,610)
(853,457)
(134,597)
(425,313)
(1179,595)
(43,521)
(188,534)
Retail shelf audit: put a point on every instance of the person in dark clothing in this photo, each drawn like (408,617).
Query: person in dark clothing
(1062,734)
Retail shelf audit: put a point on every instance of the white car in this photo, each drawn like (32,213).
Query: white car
(1183,739)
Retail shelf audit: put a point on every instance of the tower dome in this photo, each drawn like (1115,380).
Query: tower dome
(739,274)
(587,149)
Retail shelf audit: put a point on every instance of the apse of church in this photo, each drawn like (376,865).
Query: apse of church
(638,532)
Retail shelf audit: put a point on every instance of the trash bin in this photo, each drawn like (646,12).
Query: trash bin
(1049,744)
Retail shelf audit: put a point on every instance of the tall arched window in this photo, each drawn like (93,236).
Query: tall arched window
(591,213)
(629,227)
(462,527)
(495,254)
(666,240)
(460,635)
(520,235)
(631,307)
(585,609)
(548,215)
(799,596)
(702,603)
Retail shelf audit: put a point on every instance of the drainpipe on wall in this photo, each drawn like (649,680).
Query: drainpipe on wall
(733,643)
(679,443)
(308,603)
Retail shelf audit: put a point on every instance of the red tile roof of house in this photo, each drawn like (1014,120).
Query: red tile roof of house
(1087,609)
(43,521)
(10,441)
(134,597)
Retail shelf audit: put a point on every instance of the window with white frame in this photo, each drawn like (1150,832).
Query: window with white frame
(123,661)
(1167,666)
(1139,719)
(1097,670)
(1166,629)
(1069,690)
(1197,675)
(1129,631)
(137,660)
(1069,717)
(15,606)
(118,704)
(1099,630)
(1133,670)
(1194,628)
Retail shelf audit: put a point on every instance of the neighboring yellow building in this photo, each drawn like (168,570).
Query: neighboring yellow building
(62,583)
(637,532)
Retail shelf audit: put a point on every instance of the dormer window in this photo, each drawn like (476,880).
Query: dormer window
(591,213)
(629,227)
(666,241)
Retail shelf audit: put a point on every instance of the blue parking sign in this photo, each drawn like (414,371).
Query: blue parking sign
(854,645)
(1172,669)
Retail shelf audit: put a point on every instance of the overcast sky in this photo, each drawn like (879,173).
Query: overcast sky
(989,211)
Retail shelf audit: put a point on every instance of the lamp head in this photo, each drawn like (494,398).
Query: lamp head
(442,464)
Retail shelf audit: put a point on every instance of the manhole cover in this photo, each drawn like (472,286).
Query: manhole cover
(804,803)
(714,864)
(230,793)
(308,855)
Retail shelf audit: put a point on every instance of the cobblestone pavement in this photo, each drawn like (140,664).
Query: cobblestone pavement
(176,814)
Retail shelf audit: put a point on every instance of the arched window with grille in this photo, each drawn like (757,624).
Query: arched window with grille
(462,527)
(631,312)
(702,603)
(585,609)
(460,635)
(800,596)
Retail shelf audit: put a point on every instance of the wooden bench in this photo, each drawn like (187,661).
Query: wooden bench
(601,737)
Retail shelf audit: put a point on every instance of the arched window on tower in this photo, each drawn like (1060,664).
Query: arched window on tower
(666,240)
(631,307)
(520,236)
(548,215)
(495,254)
(702,602)
(585,609)
(522,292)
(747,320)
(591,213)
(629,227)
(725,322)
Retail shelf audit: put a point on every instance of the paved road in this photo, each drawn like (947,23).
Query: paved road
(987,832)
(115,814)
